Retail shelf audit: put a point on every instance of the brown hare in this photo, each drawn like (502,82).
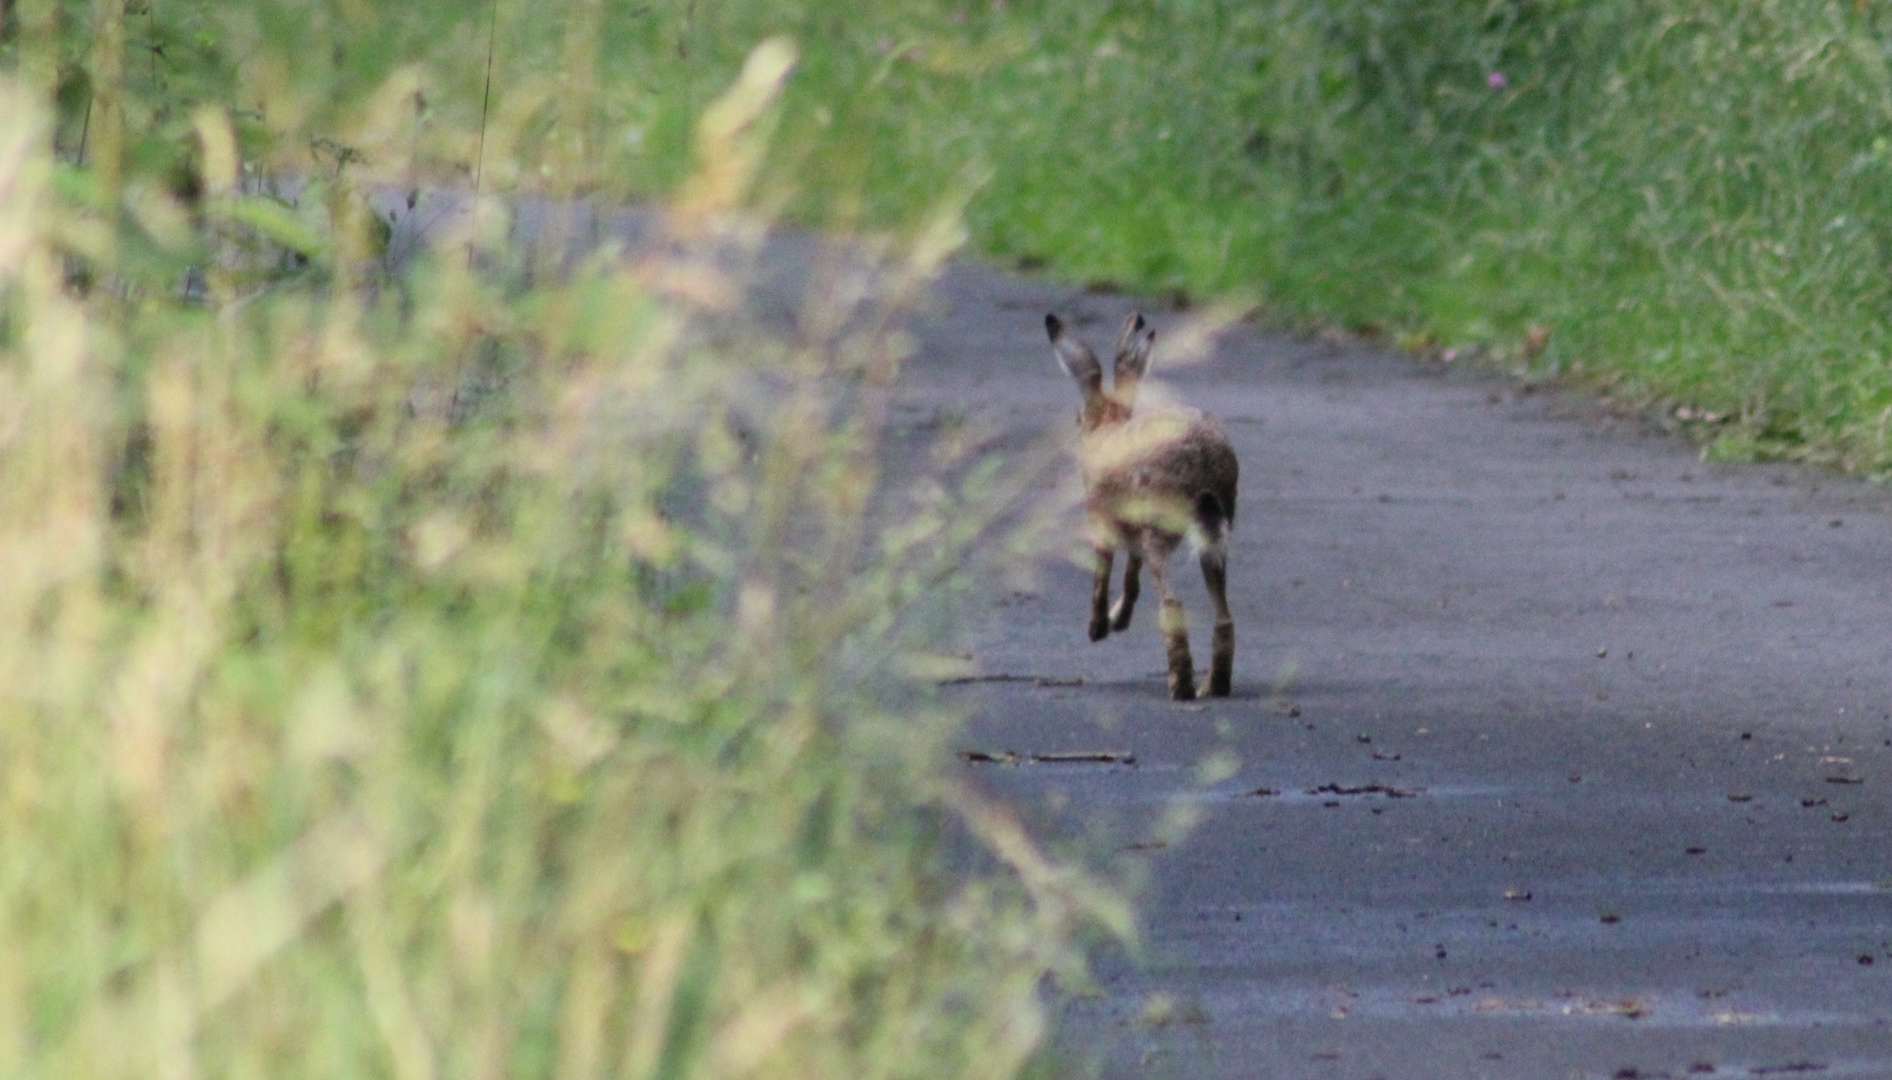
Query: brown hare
(1151,479)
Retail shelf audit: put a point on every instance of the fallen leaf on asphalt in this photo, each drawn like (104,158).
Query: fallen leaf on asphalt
(1159,1011)
(1627,1008)
(1184,1012)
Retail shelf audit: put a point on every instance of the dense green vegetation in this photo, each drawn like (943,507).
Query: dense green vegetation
(1689,196)
(1692,197)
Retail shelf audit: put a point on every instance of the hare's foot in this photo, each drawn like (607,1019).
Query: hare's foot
(1222,663)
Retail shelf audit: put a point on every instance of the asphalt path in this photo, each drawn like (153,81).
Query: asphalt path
(1554,751)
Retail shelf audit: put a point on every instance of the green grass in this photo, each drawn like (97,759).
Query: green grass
(1689,197)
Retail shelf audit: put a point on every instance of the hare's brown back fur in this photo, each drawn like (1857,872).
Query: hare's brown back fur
(1150,479)
(1153,468)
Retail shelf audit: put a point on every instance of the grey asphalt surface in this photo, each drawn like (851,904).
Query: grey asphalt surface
(1557,752)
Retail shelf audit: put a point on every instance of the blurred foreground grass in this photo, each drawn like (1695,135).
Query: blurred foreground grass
(358,724)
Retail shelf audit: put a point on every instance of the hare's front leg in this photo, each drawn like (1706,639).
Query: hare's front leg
(1104,553)
(1132,584)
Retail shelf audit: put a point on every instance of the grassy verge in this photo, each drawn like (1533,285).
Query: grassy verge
(1690,197)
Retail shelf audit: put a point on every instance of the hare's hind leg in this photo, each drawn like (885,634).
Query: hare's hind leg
(1215,575)
(1132,585)
(1182,669)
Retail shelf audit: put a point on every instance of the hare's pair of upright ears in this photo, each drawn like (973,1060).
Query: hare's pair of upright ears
(1132,361)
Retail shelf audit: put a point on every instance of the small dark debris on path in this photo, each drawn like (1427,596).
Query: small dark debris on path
(1049,757)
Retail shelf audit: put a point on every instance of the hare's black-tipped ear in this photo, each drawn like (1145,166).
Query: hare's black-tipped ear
(1133,350)
(1075,357)
(1133,325)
